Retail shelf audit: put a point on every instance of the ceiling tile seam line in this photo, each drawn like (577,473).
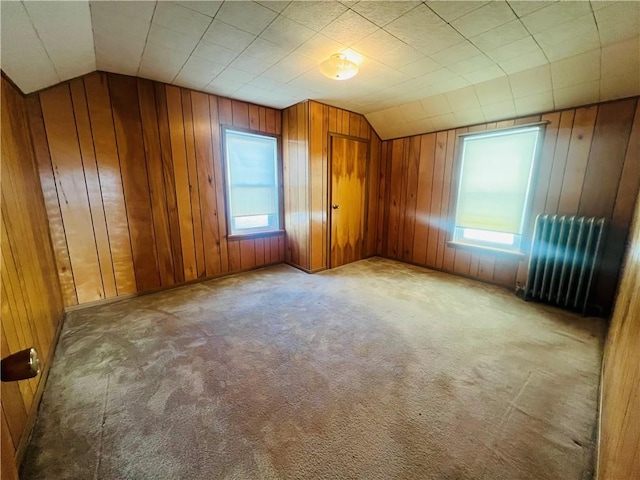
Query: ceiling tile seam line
(196,11)
(196,45)
(595,20)
(146,38)
(41,42)
(241,52)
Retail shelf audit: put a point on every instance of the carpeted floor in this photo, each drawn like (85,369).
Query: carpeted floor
(375,370)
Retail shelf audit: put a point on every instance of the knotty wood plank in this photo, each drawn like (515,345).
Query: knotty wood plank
(447,212)
(395,193)
(423,200)
(259,252)
(92,182)
(194,186)
(254,116)
(155,172)
(317,190)
(577,159)
(225,111)
(271,121)
(104,143)
(383,204)
(65,157)
(413,165)
(403,198)
(49,188)
(181,178)
(606,157)
(247,253)
(373,179)
(126,117)
(559,161)
(435,221)
(206,181)
(240,114)
(302,183)
(219,182)
(169,182)
(235,261)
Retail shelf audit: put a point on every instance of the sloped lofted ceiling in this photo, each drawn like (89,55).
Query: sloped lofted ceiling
(424,66)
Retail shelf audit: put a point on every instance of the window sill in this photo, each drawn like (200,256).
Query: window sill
(247,236)
(480,248)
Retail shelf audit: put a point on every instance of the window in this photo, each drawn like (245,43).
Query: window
(252,175)
(495,183)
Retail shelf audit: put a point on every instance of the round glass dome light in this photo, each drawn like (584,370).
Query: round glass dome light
(338,67)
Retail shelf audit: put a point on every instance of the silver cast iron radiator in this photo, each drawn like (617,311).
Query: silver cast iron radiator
(564,256)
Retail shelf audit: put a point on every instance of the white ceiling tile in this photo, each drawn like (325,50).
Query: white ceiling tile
(285,32)
(524,7)
(451,10)
(161,71)
(462,99)
(499,111)
(418,127)
(437,39)
(626,84)
(320,47)
(401,57)
(618,21)
(214,53)
(208,8)
(470,116)
(574,37)
(412,111)
(555,14)
(523,62)
(290,67)
(117,54)
(420,67)
(514,49)
(172,15)
(455,54)
(20,40)
(620,58)
(228,36)
(140,10)
(166,37)
(275,5)
(378,43)
(443,122)
(349,28)
(383,12)
(250,64)
(500,36)
(493,91)
(435,105)
(65,30)
(472,64)
(581,68)
(575,95)
(538,103)
(314,15)
(248,16)
(485,18)
(265,83)
(224,87)
(197,73)
(530,82)
(109,22)
(230,74)
(268,51)
(414,24)
(483,74)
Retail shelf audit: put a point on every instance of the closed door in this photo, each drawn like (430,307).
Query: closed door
(347,201)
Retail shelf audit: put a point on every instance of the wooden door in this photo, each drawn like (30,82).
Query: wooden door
(347,204)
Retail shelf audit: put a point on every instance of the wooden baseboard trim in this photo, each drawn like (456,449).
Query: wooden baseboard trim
(127,296)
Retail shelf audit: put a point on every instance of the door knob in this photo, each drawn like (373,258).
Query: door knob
(20,366)
(335,206)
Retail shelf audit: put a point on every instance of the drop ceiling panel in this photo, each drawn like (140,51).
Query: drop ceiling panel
(423,65)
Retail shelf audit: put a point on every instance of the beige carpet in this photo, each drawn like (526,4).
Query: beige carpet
(376,370)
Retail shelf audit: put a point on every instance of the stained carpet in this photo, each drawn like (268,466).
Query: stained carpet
(375,370)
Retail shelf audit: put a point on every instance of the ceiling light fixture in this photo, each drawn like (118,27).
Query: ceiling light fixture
(338,67)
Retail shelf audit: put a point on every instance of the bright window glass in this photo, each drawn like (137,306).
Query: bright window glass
(494,188)
(252,182)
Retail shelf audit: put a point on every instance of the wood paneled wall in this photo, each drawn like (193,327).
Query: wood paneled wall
(133,180)
(588,167)
(306,131)
(619,448)
(31,300)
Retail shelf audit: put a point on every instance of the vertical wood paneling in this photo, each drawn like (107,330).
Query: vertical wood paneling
(31,300)
(589,166)
(133,169)
(619,455)
(133,172)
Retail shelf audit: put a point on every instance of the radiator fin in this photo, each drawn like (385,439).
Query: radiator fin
(564,255)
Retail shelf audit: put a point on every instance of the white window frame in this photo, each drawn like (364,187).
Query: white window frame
(274,225)
(492,240)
